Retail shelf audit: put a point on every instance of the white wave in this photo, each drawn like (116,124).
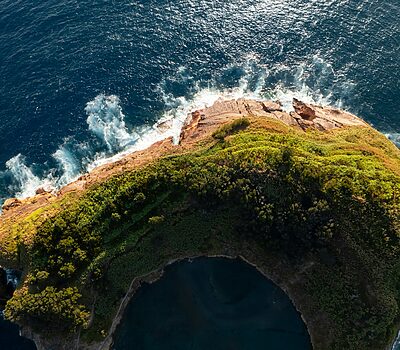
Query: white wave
(106,120)
(70,166)
(27,182)
(314,82)
(177,109)
(299,90)
(12,277)
(307,83)
(396,344)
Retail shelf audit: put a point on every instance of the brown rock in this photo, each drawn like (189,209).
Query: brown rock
(326,118)
(324,124)
(11,203)
(285,117)
(191,125)
(199,125)
(306,124)
(270,106)
(164,125)
(304,110)
(41,190)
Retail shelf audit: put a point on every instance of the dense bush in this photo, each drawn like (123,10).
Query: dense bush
(51,309)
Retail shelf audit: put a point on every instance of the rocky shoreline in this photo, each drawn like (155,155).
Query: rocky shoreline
(198,125)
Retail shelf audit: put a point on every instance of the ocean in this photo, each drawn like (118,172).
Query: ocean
(83,82)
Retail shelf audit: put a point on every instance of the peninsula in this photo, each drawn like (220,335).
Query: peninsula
(311,198)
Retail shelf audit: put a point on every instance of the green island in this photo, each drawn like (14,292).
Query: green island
(315,206)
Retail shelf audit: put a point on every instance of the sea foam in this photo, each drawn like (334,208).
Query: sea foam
(25,182)
(106,120)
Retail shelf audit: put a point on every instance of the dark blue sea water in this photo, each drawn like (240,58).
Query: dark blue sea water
(81,80)
(212,304)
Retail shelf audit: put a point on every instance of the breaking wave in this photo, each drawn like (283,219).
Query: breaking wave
(25,182)
(312,82)
(106,120)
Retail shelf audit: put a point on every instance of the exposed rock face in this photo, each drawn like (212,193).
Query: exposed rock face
(11,203)
(17,207)
(305,116)
(200,125)
(41,190)
(324,118)
(303,110)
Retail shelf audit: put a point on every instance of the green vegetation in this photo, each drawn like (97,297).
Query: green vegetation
(232,128)
(322,210)
(50,308)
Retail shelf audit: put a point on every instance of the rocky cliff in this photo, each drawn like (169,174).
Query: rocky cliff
(199,124)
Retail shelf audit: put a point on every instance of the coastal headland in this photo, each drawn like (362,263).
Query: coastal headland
(310,197)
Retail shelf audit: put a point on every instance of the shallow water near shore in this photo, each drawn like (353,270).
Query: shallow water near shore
(211,303)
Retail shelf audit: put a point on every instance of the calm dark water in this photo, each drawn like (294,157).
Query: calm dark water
(10,339)
(212,304)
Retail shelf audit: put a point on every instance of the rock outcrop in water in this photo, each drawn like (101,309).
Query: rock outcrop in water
(309,197)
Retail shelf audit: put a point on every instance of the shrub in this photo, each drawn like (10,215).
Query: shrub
(57,309)
(232,128)
(156,220)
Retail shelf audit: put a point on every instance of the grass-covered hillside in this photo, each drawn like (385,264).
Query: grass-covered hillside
(319,212)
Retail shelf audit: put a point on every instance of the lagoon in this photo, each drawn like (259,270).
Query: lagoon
(211,303)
